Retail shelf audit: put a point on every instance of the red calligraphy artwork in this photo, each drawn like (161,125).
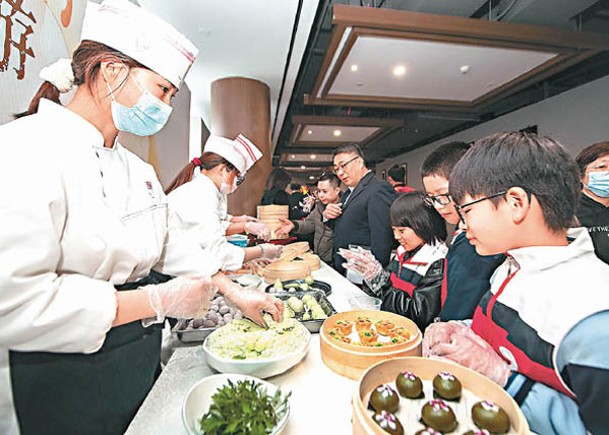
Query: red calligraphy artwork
(18,26)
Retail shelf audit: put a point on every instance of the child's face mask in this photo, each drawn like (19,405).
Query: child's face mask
(598,183)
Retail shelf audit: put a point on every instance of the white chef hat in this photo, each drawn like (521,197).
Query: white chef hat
(240,152)
(140,35)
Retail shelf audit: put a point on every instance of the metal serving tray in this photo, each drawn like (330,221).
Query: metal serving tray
(312,325)
(187,334)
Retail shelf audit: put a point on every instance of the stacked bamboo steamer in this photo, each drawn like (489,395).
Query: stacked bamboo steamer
(270,215)
(295,263)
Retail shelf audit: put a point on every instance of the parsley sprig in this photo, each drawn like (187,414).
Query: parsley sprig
(244,408)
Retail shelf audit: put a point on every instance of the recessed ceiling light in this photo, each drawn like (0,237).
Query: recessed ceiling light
(337,133)
(292,156)
(353,68)
(399,70)
(464,69)
(303,167)
(313,156)
(310,132)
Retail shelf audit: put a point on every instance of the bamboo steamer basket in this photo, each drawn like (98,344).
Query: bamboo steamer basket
(292,269)
(270,214)
(385,372)
(352,360)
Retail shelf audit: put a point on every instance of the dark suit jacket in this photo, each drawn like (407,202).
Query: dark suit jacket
(365,220)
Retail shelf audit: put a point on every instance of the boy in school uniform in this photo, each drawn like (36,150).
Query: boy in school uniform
(467,274)
(541,330)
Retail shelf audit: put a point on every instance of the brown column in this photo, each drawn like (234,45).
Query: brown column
(240,105)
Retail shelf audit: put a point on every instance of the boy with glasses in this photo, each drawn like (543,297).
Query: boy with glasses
(467,274)
(541,330)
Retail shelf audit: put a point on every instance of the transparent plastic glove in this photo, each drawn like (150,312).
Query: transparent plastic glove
(285,228)
(469,349)
(254,303)
(259,229)
(257,265)
(361,261)
(270,251)
(243,218)
(184,298)
(439,332)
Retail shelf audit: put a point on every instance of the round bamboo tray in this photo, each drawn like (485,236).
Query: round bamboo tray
(475,387)
(270,215)
(352,360)
(297,268)
(272,211)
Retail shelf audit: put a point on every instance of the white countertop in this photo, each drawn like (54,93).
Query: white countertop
(320,401)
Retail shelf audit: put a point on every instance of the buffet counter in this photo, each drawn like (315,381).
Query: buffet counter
(320,401)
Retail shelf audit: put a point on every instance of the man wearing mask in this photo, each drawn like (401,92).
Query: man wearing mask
(362,215)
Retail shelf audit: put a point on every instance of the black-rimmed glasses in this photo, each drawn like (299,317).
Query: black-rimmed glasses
(460,208)
(441,200)
(341,166)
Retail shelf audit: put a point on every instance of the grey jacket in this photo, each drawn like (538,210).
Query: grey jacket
(323,237)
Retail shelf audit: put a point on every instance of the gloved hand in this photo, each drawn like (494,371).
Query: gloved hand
(362,261)
(256,265)
(259,229)
(243,218)
(253,302)
(184,298)
(470,350)
(270,251)
(285,228)
(439,332)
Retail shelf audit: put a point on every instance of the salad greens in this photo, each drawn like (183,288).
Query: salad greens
(244,407)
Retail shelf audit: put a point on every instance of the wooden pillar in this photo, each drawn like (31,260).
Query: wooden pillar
(241,105)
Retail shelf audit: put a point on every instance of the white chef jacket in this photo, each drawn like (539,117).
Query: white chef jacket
(76,219)
(197,210)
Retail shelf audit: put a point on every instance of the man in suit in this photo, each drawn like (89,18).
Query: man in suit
(362,215)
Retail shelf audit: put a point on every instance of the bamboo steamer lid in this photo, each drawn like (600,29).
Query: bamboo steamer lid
(351,360)
(285,270)
(270,214)
(385,372)
(272,211)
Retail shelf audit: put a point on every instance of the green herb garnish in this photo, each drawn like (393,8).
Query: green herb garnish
(244,407)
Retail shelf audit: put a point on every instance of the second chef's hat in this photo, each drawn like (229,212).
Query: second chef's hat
(240,152)
(140,35)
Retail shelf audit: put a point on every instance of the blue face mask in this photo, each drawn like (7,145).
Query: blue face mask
(598,183)
(145,118)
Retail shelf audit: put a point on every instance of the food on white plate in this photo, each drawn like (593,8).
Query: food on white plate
(243,339)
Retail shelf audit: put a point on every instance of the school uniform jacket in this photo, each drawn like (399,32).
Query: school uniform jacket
(539,316)
(595,217)
(413,288)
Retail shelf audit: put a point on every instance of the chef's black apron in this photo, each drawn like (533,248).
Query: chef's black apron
(88,394)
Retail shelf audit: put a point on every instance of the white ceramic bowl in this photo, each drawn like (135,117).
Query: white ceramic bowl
(261,368)
(198,400)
